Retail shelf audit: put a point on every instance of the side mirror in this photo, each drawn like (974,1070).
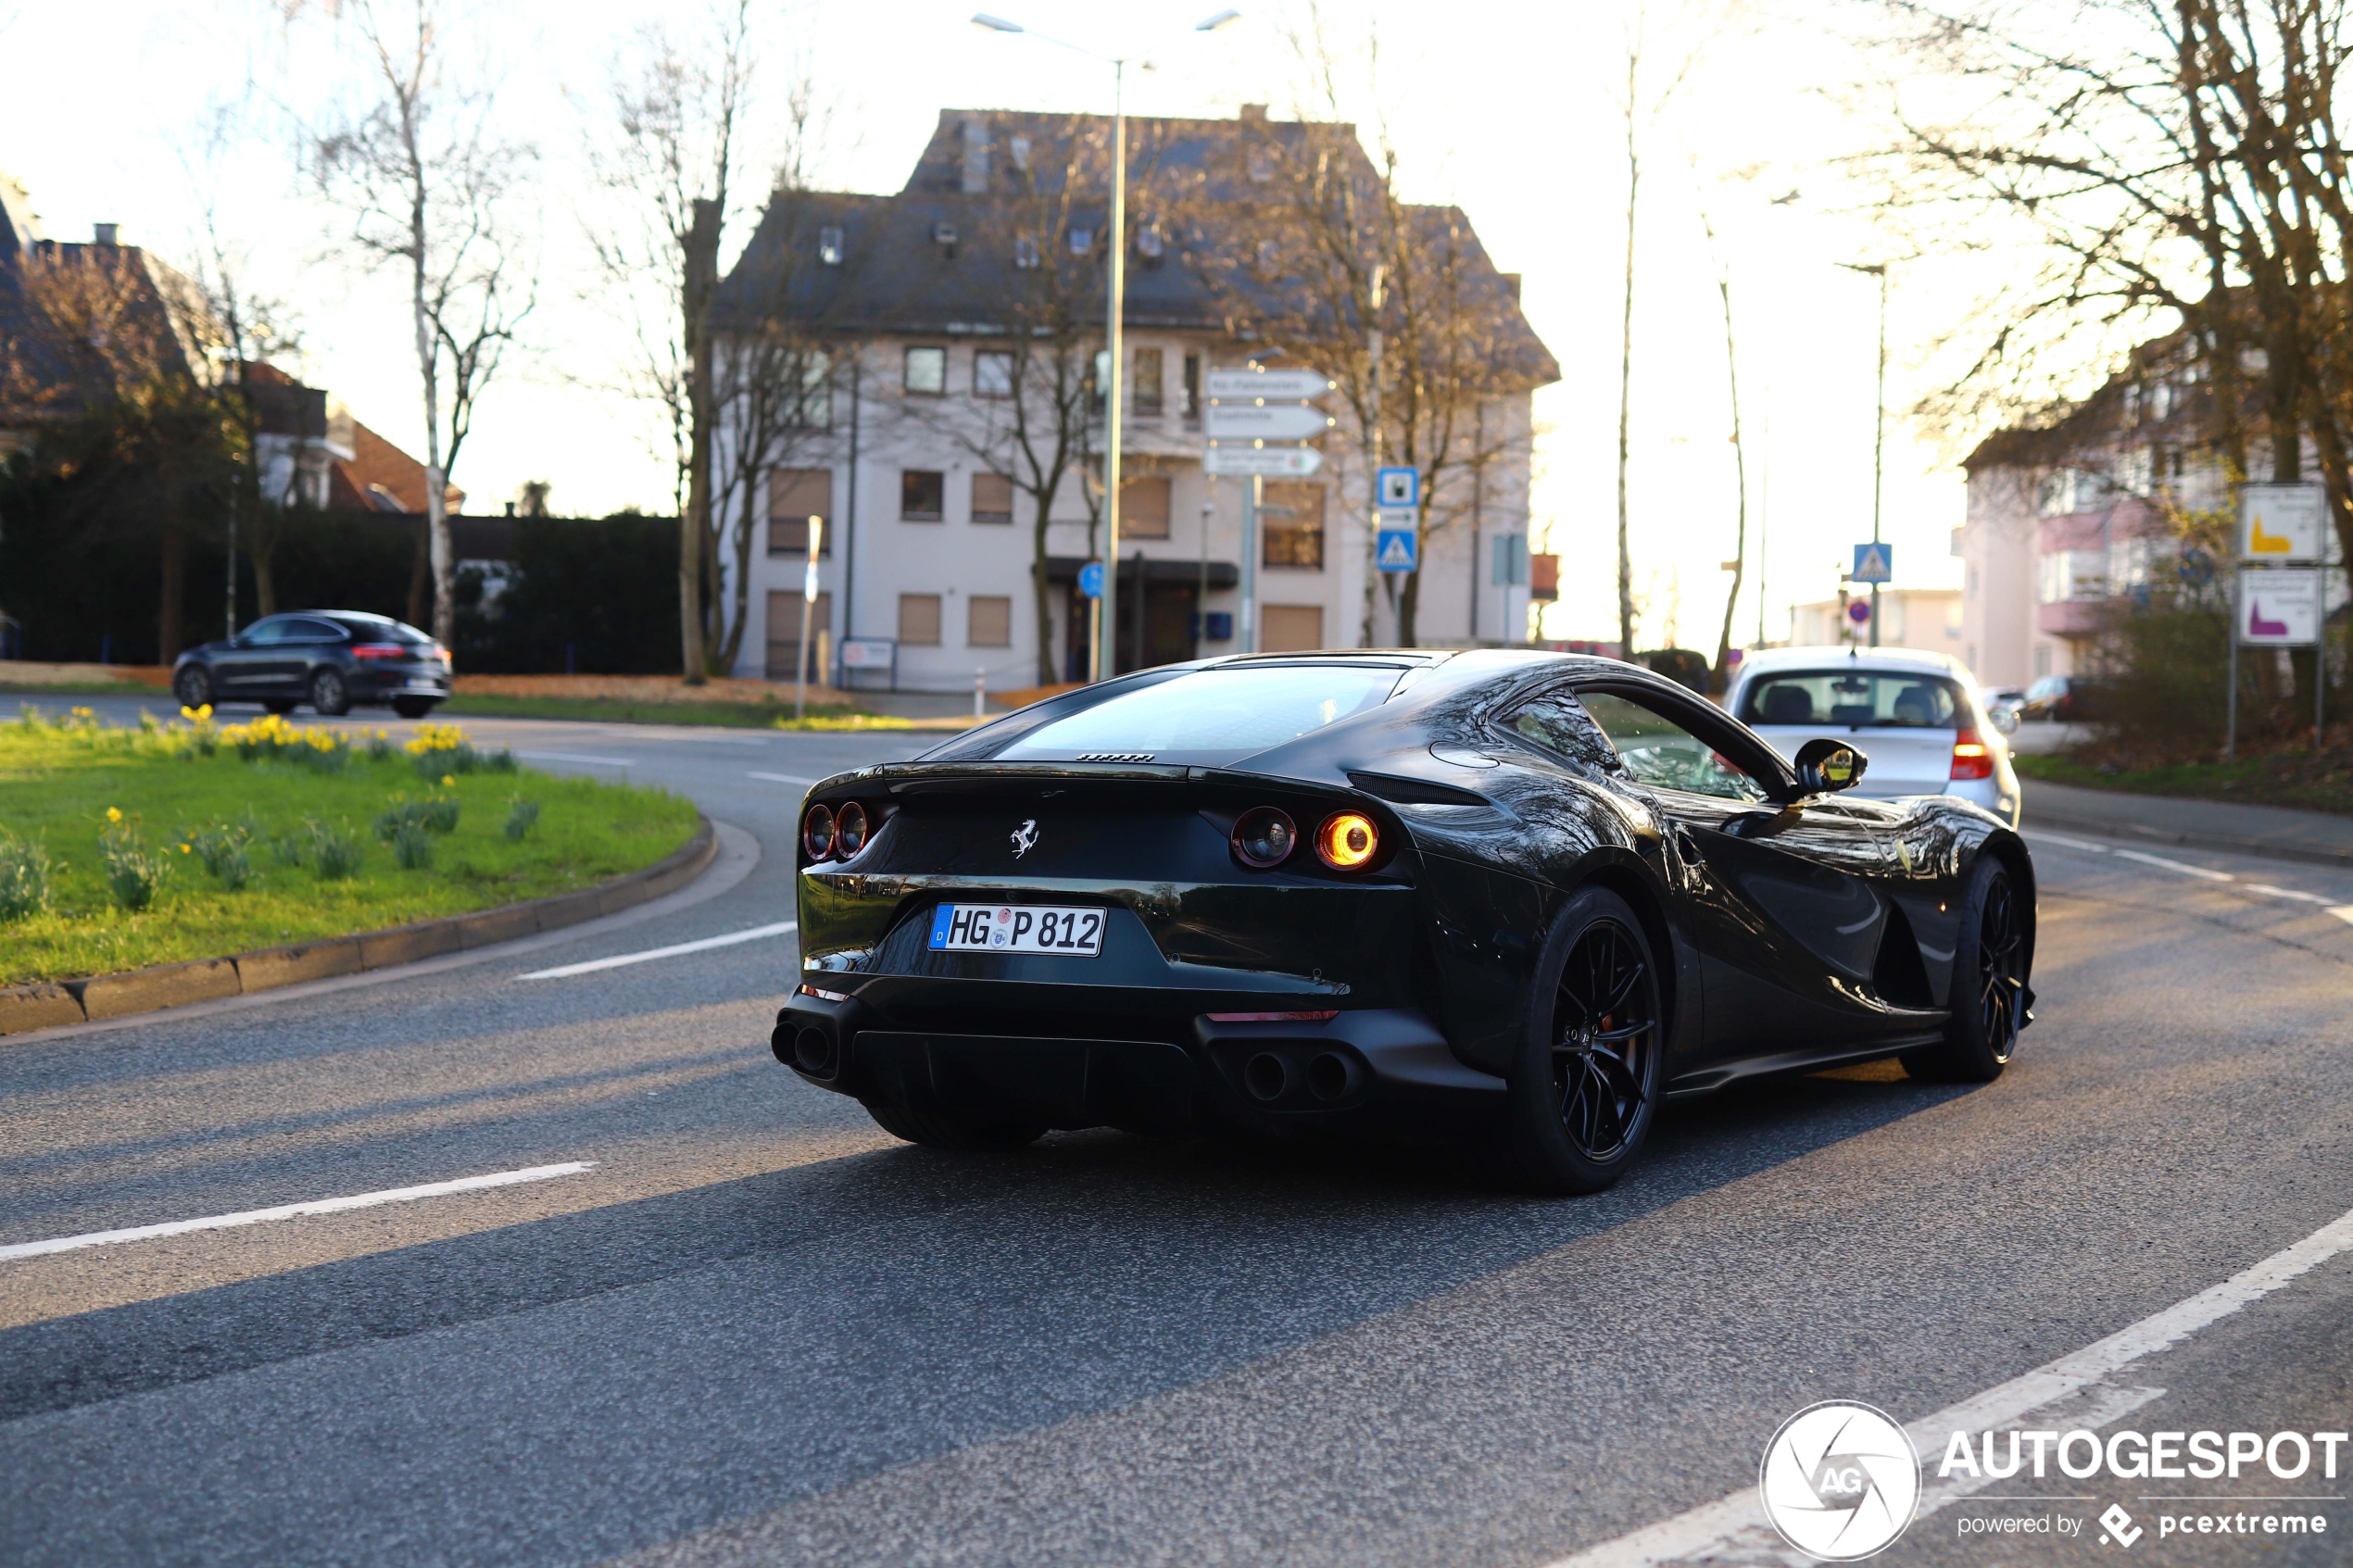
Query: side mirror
(1825,766)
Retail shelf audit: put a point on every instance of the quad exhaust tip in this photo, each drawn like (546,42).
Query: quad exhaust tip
(1266,1075)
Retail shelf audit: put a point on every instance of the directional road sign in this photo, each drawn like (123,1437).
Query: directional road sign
(1090,579)
(1270,421)
(1275,386)
(2280,608)
(1873,563)
(1396,550)
(1397,489)
(1271,462)
(2281,523)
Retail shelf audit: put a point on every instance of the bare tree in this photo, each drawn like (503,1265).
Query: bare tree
(1036,420)
(426,180)
(1396,300)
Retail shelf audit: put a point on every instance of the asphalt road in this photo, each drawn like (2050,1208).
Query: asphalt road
(756,1329)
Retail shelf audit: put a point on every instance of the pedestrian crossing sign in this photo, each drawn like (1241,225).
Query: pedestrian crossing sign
(1395,551)
(1873,563)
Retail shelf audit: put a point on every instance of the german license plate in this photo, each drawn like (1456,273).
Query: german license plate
(1017,928)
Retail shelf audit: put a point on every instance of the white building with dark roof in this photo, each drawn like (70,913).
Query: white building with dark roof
(930,541)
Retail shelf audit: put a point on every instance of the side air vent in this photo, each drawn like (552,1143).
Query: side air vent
(1415,792)
(1899,976)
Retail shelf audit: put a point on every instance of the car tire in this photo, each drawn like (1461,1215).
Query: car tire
(412,707)
(330,694)
(281,706)
(193,686)
(1584,1087)
(944,1129)
(1988,995)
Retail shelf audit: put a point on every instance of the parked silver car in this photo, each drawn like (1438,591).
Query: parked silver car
(1919,717)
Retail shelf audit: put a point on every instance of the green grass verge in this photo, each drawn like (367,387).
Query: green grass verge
(732,715)
(2312,782)
(57,784)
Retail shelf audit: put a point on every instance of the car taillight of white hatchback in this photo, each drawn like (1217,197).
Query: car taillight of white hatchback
(1972,759)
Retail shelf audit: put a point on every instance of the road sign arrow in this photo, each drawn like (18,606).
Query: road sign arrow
(1275,386)
(1271,462)
(1273,422)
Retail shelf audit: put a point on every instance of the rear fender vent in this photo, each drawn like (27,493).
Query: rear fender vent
(1897,974)
(1415,792)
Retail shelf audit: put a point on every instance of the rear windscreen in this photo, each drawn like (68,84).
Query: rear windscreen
(1229,712)
(1855,698)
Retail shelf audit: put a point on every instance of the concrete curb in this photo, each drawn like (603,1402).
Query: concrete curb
(2260,848)
(44,1005)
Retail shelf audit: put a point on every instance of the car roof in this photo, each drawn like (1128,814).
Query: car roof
(1907,661)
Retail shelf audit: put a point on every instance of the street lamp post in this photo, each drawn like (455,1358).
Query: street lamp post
(1878,418)
(1105,657)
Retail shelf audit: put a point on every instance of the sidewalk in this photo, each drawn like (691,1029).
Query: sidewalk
(2275,831)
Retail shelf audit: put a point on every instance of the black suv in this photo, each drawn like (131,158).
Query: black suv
(330,658)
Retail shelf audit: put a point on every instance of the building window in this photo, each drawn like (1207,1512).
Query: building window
(992,498)
(923,494)
(992,373)
(1082,241)
(927,371)
(813,410)
(1145,372)
(992,623)
(1292,527)
(794,496)
(1143,507)
(829,247)
(1026,255)
(1290,628)
(919,619)
(1192,386)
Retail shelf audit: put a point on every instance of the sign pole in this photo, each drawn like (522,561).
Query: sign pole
(1107,643)
(2230,703)
(1255,498)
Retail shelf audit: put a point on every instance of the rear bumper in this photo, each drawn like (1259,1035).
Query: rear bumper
(1380,1069)
(385,684)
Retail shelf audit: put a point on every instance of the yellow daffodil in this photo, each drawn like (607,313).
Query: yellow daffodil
(448,779)
(114,813)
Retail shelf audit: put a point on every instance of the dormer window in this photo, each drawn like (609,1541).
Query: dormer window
(1026,255)
(1082,241)
(829,247)
(944,236)
(1150,243)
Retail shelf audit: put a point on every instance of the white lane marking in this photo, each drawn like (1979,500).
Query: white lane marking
(2343,912)
(2267,889)
(1715,1525)
(2040,836)
(780,778)
(294,1211)
(623,959)
(2163,864)
(576,756)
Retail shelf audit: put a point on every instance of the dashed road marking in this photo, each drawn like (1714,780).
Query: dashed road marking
(621,960)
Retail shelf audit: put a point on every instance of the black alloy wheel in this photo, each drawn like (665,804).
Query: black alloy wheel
(193,686)
(1605,1030)
(329,694)
(1585,1087)
(1989,985)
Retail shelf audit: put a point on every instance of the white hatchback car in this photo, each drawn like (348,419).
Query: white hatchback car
(1918,717)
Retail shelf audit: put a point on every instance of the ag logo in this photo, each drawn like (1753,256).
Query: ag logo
(1840,1481)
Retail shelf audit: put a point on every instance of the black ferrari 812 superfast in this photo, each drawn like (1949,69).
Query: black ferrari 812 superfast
(1509,895)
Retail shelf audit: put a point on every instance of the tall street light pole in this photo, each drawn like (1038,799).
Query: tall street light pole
(1879,419)
(1105,660)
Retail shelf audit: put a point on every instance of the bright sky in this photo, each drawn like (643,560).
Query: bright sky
(1503,109)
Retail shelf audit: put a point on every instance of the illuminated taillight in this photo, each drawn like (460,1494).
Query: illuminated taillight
(1971,758)
(1263,838)
(1347,841)
(817,831)
(849,829)
(379,650)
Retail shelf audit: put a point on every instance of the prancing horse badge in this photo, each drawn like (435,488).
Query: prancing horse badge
(1025,837)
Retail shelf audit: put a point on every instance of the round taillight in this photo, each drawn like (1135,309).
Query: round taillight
(817,831)
(849,829)
(1263,838)
(1347,841)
